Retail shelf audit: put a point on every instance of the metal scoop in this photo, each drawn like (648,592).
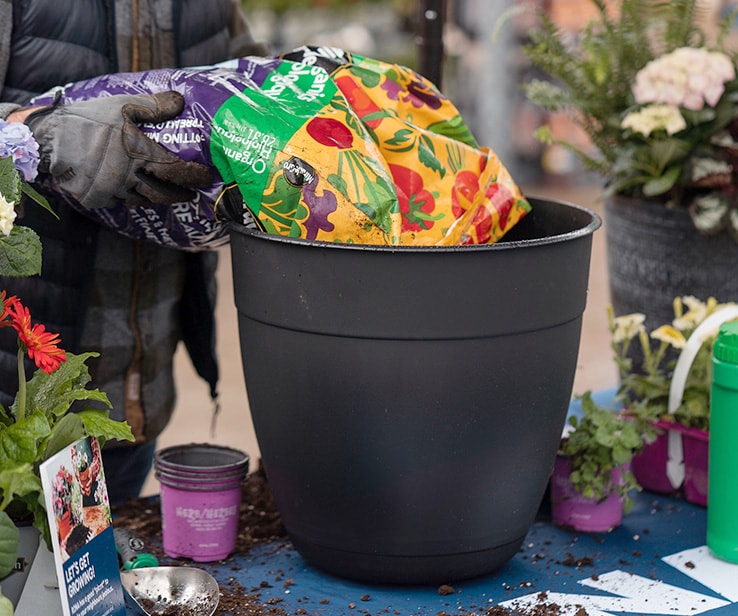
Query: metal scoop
(170,591)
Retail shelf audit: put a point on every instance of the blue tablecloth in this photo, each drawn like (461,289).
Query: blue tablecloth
(655,563)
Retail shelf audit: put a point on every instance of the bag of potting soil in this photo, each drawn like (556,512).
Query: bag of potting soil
(317,144)
(190,225)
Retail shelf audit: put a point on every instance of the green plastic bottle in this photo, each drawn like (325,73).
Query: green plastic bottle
(722,486)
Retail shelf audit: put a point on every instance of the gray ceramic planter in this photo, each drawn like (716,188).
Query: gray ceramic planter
(408,402)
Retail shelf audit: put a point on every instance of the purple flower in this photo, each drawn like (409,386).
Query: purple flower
(16,140)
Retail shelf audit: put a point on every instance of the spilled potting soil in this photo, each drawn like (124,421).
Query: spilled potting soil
(261,524)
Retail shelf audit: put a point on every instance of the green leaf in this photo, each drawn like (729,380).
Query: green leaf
(456,129)
(6,607)
(589,77)
(53,394)
(666,152)
(20,253)
(98,423)
(382,202)
(427,156)
(69,429)
(32,193)
(375,115)
(18,482)
(369,77)
(339,183)
(601,441)
(663,184)
(9,538)
(19,442)
(401,137)
(10,185)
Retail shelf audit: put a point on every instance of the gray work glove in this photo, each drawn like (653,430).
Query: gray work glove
(96,153)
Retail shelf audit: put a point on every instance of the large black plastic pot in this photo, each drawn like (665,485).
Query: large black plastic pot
(408,402)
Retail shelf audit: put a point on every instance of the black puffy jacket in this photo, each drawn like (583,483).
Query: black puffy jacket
(44,43)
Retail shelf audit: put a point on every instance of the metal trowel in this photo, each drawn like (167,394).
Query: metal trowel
(170,591)
(162,591)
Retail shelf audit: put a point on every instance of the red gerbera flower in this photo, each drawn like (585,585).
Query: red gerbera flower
(3,311)
(4,315)
(41,345)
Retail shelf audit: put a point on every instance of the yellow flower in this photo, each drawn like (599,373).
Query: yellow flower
(670,335)
(7,215)
(696,313)
(627,326)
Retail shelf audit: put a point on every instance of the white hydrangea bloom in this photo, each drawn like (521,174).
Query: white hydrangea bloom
(655,117)
(7,215)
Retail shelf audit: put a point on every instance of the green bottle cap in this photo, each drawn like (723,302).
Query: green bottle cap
(726,344)
(141,561)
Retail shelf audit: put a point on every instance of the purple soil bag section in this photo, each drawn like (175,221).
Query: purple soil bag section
(192,225)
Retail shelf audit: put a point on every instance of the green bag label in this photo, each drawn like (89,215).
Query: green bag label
(251,128)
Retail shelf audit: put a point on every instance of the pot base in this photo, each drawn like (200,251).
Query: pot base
(401,569)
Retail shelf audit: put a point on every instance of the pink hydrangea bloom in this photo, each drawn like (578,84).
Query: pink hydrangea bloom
(688,77)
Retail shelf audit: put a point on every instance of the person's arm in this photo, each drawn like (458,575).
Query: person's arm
(6,109)
(21,113)
(97,154)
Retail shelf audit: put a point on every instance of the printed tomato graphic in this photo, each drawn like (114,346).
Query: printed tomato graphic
(330,132)
(359,100)
(482,224)
(466,184)
(416,202)
(503,201)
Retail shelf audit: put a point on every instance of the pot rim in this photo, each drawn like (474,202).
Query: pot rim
(239,459)
(586,230)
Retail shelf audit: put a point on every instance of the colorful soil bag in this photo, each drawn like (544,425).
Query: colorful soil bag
(317,144)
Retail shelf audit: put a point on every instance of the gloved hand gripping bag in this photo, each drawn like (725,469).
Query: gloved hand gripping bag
(319,144)
(190,225)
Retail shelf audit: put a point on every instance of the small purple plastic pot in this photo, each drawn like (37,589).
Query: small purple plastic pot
(200,499)
(569,509)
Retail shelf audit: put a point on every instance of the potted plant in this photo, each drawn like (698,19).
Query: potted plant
(592,478)
(671,392)
(652,86)
(37,424)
